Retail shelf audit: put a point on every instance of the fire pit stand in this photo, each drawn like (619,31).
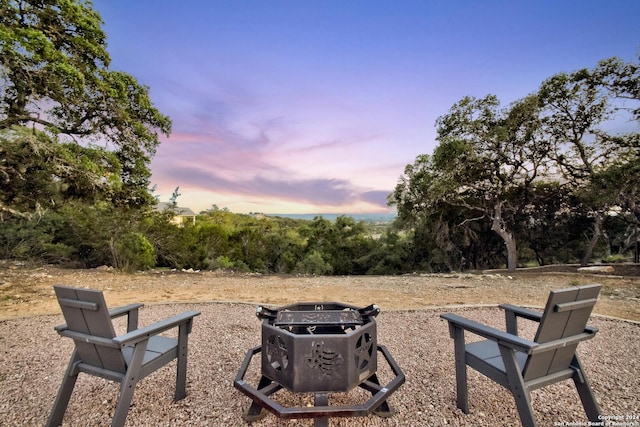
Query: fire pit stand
(318,348)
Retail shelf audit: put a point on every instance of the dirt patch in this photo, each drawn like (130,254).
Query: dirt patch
(28,291)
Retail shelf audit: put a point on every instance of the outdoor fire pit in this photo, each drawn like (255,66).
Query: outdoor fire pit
(319,348)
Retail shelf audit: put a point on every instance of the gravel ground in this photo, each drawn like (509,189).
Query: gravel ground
(33,359)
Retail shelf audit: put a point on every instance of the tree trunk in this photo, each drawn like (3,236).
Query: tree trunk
(597,232)
(498,225)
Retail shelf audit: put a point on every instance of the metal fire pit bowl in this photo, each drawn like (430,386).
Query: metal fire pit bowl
(318,348)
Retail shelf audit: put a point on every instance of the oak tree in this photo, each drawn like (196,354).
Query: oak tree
(55,78)
(578,110)
(485,156)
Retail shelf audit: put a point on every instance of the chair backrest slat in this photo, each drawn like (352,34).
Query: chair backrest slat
(566,314)
(66,302)
(568,306)
(86,311)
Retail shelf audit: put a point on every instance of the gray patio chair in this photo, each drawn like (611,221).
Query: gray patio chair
(521,365)
(126,358)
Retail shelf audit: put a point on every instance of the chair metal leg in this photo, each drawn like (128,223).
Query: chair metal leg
(64,393)
(585,392)
(518,388)
(462,394)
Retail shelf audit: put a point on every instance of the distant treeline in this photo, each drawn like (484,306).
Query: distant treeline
(81,235)
(379,218)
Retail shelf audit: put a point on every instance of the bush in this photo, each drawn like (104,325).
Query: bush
(57,252)
(133,252)
(313,263)
(221,262)
(616,258)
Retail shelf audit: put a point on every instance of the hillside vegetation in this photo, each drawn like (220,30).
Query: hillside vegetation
(550,178)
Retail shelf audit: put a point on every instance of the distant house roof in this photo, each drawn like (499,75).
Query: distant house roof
(181,211)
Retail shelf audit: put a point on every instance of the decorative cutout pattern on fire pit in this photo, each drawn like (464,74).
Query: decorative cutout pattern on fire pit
(364,351)
(326,360)
(277,353)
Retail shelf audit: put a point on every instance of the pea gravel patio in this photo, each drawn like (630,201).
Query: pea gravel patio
(33,359)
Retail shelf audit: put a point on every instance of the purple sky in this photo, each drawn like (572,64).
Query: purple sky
(305,106)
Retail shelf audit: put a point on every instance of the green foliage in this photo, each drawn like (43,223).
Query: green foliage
(313,263)
(616,258)
(132,252)
(502,169)
(388,257)
(38,172)
(26,239)
(222,262)
(176,246)
(341,244)
(55,77)
(83,235)
(577,107)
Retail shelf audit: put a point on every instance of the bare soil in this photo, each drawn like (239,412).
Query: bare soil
(27,291)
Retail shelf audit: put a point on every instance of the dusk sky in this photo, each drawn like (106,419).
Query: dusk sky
(317,106)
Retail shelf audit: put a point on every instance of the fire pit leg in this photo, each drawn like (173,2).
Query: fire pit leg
(321,399)
(255,412)
(384,410)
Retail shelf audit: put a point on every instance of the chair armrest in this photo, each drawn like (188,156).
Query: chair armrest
(86,338)
(121,311)
(502,338)
(522,312)
(511,314)
(131,311)
(156,328)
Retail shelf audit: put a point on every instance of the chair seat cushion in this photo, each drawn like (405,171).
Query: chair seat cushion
(489,352)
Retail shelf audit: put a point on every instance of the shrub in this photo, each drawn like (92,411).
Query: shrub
(133,252)
(57,252)
(313,263)
(222,262)
(616,258)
